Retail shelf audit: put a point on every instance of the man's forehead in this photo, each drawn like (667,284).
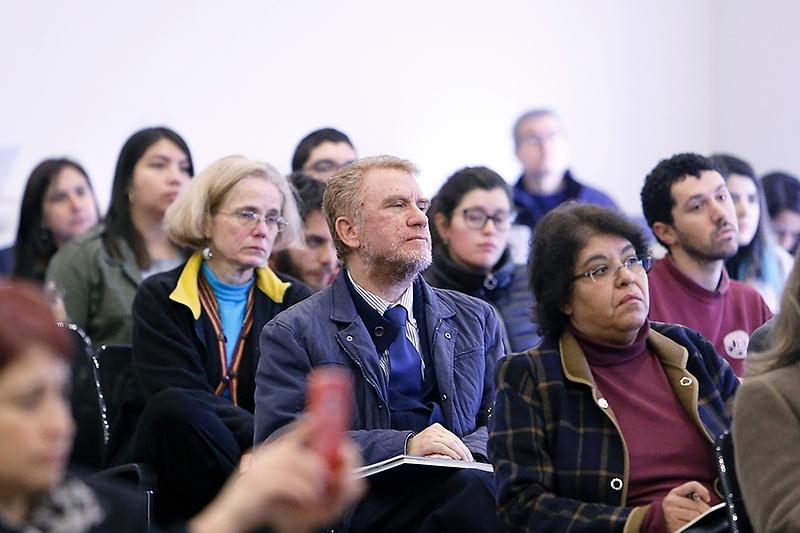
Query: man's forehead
(688,186)
(382,183)
(540,123)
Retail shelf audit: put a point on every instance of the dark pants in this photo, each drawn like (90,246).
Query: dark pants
(190,449)
(446,501)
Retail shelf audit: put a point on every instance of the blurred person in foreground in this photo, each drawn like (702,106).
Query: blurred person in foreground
(286,487)
(766,428)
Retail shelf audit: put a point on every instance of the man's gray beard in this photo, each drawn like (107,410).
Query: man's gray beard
(393,268)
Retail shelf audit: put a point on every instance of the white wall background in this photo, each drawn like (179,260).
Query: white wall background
(438,82)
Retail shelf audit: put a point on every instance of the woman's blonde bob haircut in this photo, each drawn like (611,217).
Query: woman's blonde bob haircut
(190,213)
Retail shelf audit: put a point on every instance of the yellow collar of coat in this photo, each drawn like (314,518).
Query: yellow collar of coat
(186,292)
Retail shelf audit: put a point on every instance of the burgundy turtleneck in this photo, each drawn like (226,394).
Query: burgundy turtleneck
(665,447)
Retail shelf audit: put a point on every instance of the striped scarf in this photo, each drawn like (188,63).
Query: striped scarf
(229,377)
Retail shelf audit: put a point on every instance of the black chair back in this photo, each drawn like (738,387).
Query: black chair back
(114,373)
(737,514)
(87,407)
(114,361)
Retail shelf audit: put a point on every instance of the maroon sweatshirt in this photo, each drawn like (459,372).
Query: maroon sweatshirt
(665,447)
(726,316)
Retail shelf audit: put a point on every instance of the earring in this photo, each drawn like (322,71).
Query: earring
(131,197)
(207,253)
(44,234)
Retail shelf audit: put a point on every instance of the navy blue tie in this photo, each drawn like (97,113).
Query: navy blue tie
(405,375)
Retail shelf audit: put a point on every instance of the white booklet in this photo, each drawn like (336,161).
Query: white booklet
(410,462)
(702,517)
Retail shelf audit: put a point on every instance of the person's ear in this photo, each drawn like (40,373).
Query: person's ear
(566,308)
(347,232)
(665,233)
(442,227)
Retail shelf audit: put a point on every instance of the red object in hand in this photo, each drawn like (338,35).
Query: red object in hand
(330,403)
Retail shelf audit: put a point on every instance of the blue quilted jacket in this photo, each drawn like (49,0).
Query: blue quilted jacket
(463,337)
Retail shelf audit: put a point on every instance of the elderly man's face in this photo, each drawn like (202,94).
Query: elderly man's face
(392,227)
(612,304)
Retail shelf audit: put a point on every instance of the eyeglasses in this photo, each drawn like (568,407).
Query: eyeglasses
(476,218)
(634,264)
(326,165)
(250,218)
(537,140)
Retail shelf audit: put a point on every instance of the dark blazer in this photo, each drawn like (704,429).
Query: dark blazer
(174,344)
(560,461)
(463,338)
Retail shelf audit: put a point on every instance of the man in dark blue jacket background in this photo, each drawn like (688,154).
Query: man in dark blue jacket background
(546,181)
(422,359)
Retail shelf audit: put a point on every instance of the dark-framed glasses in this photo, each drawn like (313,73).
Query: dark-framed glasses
(250,218)
(636,264)
(476,218)
(326,165)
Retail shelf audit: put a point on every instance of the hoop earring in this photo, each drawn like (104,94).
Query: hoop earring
(207,253)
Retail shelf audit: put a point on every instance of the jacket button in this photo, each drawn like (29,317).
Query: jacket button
(616,483)
(603,403)
(379,331)
(447,335)
(444,397)
(685,381)
(349,338)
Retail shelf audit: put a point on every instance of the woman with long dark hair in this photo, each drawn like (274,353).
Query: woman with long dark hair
(58,205)
(98,273)
(759,261)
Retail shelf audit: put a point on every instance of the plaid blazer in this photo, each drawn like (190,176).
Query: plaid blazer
(561,462)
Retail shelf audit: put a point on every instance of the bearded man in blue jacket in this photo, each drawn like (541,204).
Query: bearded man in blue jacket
(422,359)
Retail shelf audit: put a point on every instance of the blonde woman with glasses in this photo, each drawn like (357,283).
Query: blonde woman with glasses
(196,329)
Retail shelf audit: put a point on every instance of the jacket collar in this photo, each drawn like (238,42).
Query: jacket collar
(186,292)
(448,274)
(576,368)
(343,309)
(127,259)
